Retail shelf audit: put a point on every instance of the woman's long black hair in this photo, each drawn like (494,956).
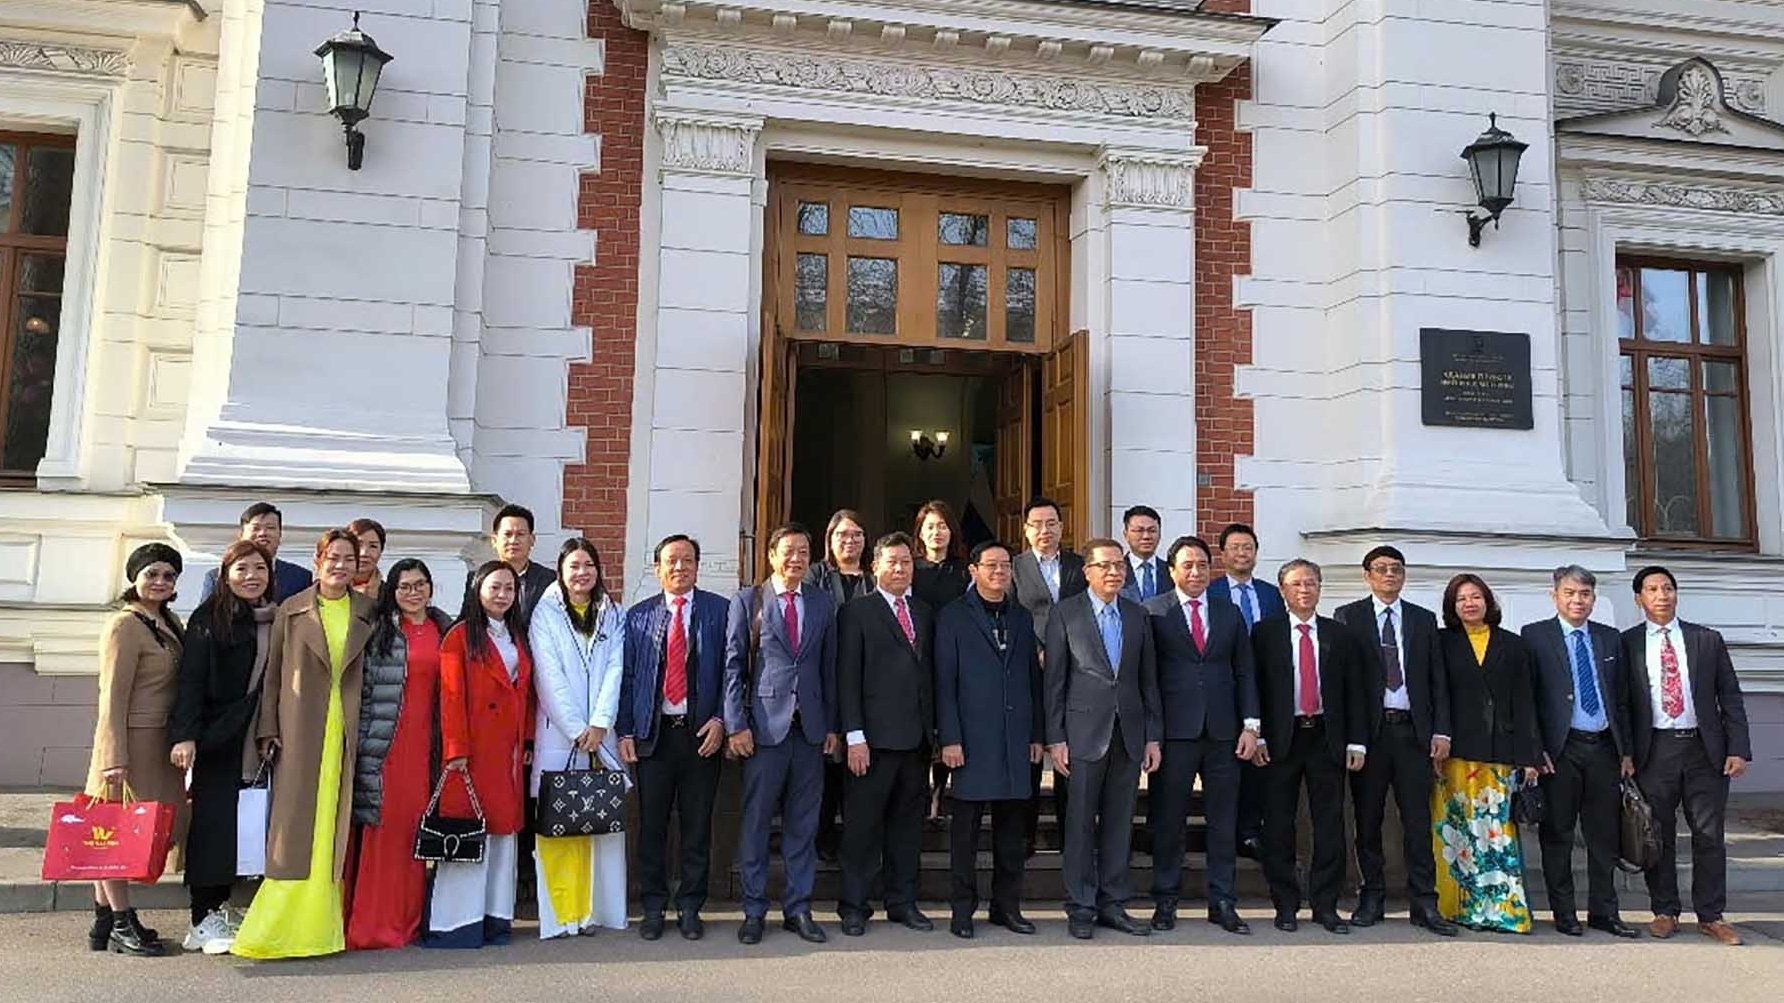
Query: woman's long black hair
(586,622)
(389,616)
(476,621)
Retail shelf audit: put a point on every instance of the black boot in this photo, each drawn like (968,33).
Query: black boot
(147,933)
(100,934)
(127,938)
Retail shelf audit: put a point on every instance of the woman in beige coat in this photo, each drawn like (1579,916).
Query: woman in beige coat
(315,671)
(139,671)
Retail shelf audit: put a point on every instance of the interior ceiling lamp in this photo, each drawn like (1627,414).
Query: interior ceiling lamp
(1493,160)
(351,64)
(928,448)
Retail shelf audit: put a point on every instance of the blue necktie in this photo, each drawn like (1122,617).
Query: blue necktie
(1146,580)
(1111,627)
(1583,680)
(1245,607)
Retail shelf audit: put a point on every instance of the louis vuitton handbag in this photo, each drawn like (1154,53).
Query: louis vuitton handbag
(574,802)
(443,840)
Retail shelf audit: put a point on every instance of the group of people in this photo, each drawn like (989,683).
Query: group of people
(862,682)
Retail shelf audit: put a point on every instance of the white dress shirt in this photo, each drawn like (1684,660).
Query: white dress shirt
(780,604)
(1200,612)
(1657,676)
(1393,699)
(1294,647)
(859,737)
(1244,596)
(687,626)
(1135,564)
(1049,567)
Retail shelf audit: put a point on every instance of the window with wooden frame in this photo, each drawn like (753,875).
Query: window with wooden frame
(1687,430)
(894,259)
(36,185)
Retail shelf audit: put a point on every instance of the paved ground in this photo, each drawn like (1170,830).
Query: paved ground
(44,959)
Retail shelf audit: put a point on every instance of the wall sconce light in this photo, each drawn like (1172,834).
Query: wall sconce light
(928,448)
(1493,160)
(351,65)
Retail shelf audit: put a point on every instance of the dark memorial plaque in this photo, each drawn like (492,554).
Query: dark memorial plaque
(1475,379)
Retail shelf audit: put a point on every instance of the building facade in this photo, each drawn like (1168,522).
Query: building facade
(653,266)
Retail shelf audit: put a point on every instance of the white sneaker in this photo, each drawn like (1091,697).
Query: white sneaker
(212,929)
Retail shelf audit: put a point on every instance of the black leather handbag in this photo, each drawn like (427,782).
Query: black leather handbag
(443,840)
(1526,800)
(1639,837)
(573,802)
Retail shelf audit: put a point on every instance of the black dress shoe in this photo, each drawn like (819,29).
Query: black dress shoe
(1014,922)
(1286,922)
(1119,920)
(1435,923)
(912,918)
(962,928)
(1227,918)
(1613,926)
(1079,926)
(1164,916)
(854,926)
(652,927)
(806,927)
(1370,911)
(1333,922)
(1569,925)
(690,924)
(1250,848)
(751,930)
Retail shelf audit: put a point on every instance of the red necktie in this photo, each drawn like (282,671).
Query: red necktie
(790,613)
(675,671)
(1309,672)
(1672,688)
(1196,630)
(904,622)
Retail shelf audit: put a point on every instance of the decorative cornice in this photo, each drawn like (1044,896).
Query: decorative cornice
(46,56)
(1585,85)
(1693,93)
(1149,180)
(969,85)
(1683,196)
(699,143)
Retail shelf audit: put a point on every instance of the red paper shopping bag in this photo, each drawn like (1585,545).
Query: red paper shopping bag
(94,840)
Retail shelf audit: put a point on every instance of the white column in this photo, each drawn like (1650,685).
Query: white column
(1150,325)
(708,293)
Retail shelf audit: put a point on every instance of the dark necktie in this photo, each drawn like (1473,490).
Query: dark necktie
(1146,582)
(790,614)
(904,622)
(1196,631)
(1583,679)
(1390,651)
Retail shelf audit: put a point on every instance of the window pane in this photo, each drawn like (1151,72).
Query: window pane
(811,291)
(868,223)
(1728,483)
(1626,370)
(1669,374)
(1674,464)
(1715,308)
(49,184)
(1019,305)
(1021,234)
(28,384)
(873,294)
(960,301)
(964,230)
(1666,307)
(1626,303)
(41,273)
(814,218)
(1632,485)
(1721,377)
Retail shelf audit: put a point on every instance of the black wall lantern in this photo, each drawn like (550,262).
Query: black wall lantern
(1493,159)
(351,63)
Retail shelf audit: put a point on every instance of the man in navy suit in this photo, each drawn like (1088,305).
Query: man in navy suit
(1147,573)
(1257,600)
(263,523)
(1584,722)
(1211,719)
(780,710)
(671,698)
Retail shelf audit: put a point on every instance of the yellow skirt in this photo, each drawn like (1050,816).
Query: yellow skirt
(303,919)
(1480,861)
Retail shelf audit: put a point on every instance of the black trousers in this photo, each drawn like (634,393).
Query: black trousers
(830,807)
(675,776)
(1008,830)
(1168,810)
(1251,801)
(882,829)
(1398,760)
(1582,793)
(1061,789)
(1678,774)
(1099,829)
(1308,761)
(206,899)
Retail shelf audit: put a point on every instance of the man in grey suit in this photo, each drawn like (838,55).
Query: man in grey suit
(1040,577)
(780,710)
(1104,725)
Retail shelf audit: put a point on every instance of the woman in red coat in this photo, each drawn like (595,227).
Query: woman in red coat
(486,718)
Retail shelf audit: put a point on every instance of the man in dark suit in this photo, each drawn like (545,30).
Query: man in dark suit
(1310,688)
(887,687)
(1584,722)
(1406,713)
(1689,725)
(1256,600)
(670,724)
(511,537)
(1147,573)
(263,523)
(989,723)
(1104,726)
(1042,576)
(1209,701)
(780,710)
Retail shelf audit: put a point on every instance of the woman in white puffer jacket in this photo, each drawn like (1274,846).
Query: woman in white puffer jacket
(578,641)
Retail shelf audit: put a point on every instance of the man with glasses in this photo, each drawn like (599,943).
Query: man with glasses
(1104,725)
(1041,577)
(1256,600)
(1406,714)
(1147,573)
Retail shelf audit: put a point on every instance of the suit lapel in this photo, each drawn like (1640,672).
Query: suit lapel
(1092,631)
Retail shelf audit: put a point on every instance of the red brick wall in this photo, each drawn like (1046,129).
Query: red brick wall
(606,292)
(1223,333)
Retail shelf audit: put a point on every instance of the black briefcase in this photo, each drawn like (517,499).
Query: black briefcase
(443,840)
(1639,837)
(589,802)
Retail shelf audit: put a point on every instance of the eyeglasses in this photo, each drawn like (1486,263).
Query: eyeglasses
(414,588)
(1049,524)
(993,565)
(1385,569)
(1107,567)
